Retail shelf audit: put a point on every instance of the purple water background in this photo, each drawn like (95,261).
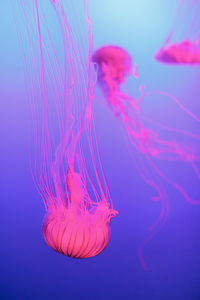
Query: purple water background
(29,268)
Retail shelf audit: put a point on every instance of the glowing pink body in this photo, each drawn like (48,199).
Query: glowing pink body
(114,62)
(184,52)
(75,230)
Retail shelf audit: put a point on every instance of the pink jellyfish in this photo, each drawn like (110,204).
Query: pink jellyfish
(114,64)
(67,169)
(187,51)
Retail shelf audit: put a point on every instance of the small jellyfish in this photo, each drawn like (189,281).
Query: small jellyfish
(67,168)
(114,65)
(114,61)
(185,28)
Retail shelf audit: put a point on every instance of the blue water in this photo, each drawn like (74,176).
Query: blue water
(30,270)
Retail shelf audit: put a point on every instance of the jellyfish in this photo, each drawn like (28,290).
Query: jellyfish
(66,168)
(184,48)
(184,52)
(149,141)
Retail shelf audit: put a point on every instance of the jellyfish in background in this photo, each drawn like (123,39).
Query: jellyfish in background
(186,22)
(179,53)
(150,141)
(114,64)
(67,169)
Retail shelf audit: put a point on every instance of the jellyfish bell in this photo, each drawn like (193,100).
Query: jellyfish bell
(76,230)
(185,52)
(114,63)
(82,237)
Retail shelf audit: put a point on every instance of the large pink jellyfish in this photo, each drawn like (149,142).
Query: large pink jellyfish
(187,50)
(67,167)
(145,135)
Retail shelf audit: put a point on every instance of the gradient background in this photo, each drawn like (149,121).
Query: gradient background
(29,268)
